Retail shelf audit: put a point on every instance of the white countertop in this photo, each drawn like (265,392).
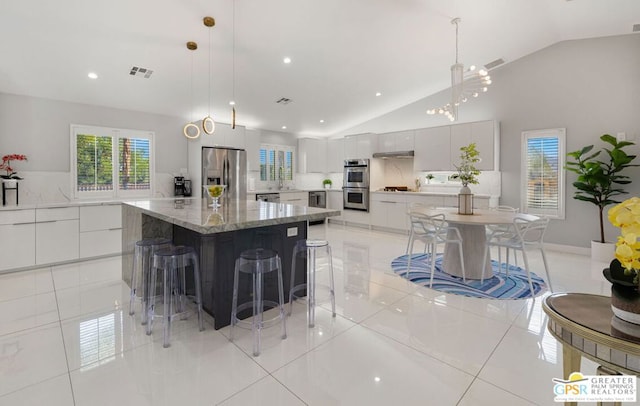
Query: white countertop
(53,205)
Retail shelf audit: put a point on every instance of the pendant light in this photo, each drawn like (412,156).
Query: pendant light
(208,125)
(233,69)
(190,127)
(464,84)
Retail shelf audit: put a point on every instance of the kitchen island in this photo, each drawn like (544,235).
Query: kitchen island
(219,236)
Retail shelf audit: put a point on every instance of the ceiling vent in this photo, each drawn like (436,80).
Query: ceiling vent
(143,72)
(284,101)
(636,27)
(493,64)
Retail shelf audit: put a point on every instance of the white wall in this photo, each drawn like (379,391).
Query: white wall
(39,128)
(590,87)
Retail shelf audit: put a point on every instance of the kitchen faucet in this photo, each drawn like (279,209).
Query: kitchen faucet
(281,178)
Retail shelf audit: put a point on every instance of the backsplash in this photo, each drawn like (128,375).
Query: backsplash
(55,187)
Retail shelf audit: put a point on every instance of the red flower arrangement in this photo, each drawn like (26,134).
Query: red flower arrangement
(6,165)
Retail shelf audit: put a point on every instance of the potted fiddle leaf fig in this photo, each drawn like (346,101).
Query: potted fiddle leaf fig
(600,181)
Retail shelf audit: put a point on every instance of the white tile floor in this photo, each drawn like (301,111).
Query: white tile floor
(66,338)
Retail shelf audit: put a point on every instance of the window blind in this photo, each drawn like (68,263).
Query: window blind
(94,163)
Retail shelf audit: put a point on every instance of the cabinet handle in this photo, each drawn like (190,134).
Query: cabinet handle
(387,201)
(117,228)
(43,222)
(26,222)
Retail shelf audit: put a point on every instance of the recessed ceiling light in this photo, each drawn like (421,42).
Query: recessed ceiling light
(286,59)
(232,103)
(92,75)
(321,121)
(284,127)
(378,94)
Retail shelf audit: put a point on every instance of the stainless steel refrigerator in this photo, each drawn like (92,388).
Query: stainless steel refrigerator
(225,166)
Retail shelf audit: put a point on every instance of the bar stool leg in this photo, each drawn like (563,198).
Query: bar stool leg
(234,302)
(331,283)
(198,285)
(293,278)
(257,312)
(311,286)
(281,297)
(167,279)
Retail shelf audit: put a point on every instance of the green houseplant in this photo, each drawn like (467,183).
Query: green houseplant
(467,174)
(599,180)
(327,183)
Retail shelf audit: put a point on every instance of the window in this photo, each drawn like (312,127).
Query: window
(108,162)
(543,158)
(276,163)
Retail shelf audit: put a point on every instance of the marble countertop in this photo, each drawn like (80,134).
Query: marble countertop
(428,193)
(194,214)
(54,205)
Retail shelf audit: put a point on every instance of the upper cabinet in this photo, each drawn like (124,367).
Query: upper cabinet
(335,155)
(485,135)
(432,149)
(396,141)
(312,155)
(438,148)
(360,146)
(224,136)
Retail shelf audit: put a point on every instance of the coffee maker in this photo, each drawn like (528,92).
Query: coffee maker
(178,186)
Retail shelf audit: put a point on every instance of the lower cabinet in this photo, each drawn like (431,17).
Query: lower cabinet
(57,241)
(100,230)
(335,202)
(389,211)
(18,248)
(295,198)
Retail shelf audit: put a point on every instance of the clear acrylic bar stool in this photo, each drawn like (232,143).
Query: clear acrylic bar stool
(141,271)
(174,263)
(308,248)
(257,262)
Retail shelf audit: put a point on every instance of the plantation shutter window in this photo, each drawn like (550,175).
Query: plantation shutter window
(276,163)
(109,162)
(543,160)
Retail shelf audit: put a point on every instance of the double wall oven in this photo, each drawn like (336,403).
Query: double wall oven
(356,184)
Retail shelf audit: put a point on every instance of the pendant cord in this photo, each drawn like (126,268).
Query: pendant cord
(456,42)
(209,72)
(233,50)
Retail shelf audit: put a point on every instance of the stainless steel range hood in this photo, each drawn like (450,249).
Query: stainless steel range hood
(394,154)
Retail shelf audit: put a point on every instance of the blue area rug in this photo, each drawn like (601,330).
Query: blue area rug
(500,286)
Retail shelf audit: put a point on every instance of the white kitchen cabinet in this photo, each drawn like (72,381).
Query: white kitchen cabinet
(426,200)
(223,136)
(57,235)
(484,135)
(295,198)
(335,202)
(432,149)
(252,146)
(312,155)
(335,155)
(389,211)
(396,141)
(18,248)
(361,146)
(351,147)
(100,230)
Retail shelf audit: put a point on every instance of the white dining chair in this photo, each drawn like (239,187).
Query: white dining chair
(502,232)
(529,235)
(432,230)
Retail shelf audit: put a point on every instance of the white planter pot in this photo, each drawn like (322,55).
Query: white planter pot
(10,182)
(602,252)
(327,186)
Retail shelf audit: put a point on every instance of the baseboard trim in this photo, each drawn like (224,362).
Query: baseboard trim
(568,249)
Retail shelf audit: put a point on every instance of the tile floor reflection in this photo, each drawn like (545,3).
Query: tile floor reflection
(66,338)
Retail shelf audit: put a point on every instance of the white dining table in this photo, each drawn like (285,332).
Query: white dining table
(474,238)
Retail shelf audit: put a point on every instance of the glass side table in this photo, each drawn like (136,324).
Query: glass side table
(586,326)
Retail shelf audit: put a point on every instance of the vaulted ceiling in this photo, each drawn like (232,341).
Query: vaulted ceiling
(342,52)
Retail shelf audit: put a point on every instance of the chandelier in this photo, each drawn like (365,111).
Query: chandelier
(464,84)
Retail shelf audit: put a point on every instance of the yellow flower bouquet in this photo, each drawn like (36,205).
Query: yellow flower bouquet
(626,216)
